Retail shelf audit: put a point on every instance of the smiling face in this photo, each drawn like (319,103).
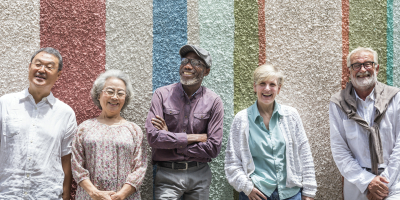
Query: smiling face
(364,79)
(43,71)
(112,105)
(192,75)
(266,91)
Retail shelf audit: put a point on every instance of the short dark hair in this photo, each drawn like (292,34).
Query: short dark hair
(53,52)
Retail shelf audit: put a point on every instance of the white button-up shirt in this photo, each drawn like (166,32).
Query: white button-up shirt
(350,147)
(33,139)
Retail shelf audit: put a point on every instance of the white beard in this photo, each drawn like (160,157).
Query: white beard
(365,83)
(193,81)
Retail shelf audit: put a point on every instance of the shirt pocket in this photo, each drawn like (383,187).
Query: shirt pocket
(171,117)
(350,126)
(200,121)
(12,126)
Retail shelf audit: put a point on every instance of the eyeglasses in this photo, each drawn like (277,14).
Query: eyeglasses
(193,62)
(367,65)
(111,92)
(49,67)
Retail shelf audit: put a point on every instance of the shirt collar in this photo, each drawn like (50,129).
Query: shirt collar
(50,98)
(371,95)
(254,113)
(198,91)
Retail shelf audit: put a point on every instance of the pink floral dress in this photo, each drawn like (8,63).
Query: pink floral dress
(109,156)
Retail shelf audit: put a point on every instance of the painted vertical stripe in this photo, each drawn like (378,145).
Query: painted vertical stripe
(246,52)
(169,35)
(261,33)
(396,43)
(129,44)
(216,35)
(304,40)
(77,30)
(193,32)
(368,28)
(389,43)
(19,39)
(345,41)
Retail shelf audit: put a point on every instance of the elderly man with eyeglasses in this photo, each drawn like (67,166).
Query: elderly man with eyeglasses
(364,130)
(184,128)
(36,135)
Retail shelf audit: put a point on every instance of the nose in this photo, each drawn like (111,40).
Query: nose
(362,69)
(188,66)
(42,68)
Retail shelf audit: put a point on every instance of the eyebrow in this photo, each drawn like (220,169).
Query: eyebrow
(114,89)
(38,59)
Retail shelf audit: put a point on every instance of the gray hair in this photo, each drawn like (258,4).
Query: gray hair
(53,52)
(361,49)
(98,86)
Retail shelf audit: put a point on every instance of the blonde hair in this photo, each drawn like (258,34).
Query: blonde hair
(267,72)
(362,49)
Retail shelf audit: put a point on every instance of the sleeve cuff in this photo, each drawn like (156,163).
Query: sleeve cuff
(363,185)
(181,140)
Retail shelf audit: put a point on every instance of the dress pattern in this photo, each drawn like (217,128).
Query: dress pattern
(109,156)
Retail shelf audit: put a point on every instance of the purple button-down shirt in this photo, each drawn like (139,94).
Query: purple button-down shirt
(201,113)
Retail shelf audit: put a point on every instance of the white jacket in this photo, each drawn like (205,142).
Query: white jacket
(239,164)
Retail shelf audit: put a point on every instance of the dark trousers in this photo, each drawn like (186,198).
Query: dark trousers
(274,196)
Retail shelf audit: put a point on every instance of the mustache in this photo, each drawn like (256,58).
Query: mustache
(365,73)
(41,75)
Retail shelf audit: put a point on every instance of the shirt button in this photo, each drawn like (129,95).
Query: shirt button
(181,146)
(25,193)
(188,103)
(184,130)
(185,116)
(27,176)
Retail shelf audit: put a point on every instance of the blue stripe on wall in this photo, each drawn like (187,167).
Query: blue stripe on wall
(169,34)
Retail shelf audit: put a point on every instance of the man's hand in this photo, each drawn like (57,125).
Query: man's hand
(255,194)
(193,138)
(159,123)
(306,198)
(377,190)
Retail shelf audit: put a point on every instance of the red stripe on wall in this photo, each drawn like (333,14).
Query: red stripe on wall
(77,29)
(262,40)
(345,41)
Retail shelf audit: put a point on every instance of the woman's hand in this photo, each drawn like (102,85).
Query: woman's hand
(159,123)
(118,196)
(306,198)
(255,194)
(101,195)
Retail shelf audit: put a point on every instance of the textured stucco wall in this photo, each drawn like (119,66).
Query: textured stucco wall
(129,41)
(304,39)
(368,29)
(19,38)
(396,43)
(216,35)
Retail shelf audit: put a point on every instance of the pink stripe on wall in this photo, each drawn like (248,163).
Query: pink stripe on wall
(77,29)
(345,41)
(262,40)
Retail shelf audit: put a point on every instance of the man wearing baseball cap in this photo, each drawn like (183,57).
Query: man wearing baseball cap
(184,128)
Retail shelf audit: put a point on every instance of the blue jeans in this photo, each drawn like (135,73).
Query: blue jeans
(274,196)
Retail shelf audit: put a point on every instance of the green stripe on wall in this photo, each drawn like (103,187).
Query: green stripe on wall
(245,55)
(368,29)
(389,42)
(216,35)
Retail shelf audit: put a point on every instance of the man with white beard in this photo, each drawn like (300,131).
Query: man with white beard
(364,130)
(184,128)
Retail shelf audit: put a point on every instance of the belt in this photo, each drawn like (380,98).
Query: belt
(380,170)
(178,165)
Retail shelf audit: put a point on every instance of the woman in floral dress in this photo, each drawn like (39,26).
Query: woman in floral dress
(108,158)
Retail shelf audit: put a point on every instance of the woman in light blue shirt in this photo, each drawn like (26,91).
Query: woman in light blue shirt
(268,156)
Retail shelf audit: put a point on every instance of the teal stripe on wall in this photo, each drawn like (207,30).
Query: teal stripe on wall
(216,35)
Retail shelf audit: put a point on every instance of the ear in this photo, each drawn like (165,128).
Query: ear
(254,88)
(377,69)
(206,71)
(58,75)
(279,89)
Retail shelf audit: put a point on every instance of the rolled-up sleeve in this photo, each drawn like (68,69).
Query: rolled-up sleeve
(212,147)
(161,139)
(66,143)
(135,178)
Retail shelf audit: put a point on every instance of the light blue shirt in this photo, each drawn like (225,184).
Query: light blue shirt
(267,147)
